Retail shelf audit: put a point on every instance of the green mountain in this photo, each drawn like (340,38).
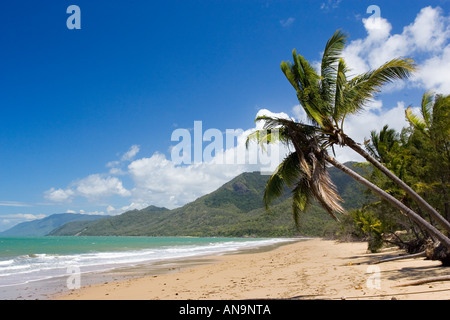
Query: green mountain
(42,227)
(235,209)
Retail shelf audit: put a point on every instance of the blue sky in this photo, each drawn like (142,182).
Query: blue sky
(87,115)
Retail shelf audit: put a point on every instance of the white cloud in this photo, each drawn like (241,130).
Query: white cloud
(374,105)
(134,206)
(299,114)
(430,31)
(81,211)
(95,186)
(131,153)
(117,165)
(112,164)
(160,182)
(426,40)
(59,195)
(434,75)
(110,209)
(358,127)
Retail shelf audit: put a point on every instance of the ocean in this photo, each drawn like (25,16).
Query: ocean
(36,268)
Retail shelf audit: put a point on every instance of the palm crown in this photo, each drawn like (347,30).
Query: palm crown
(327,99)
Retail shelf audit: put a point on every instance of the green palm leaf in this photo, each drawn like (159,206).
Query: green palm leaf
(301,199)
(364,87)
(330,58)
(286,174)
(415,120)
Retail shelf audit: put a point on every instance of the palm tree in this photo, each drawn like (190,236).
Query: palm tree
(327,99)
(304,171)
(381,144)
(330,97)
(391,149)
(434,124)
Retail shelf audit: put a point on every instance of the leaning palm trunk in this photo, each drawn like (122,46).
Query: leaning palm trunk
(310,154)
(445,241)
(439,218)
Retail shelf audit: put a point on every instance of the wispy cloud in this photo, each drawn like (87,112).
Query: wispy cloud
(330,4)
(9,220)
(23,216)
(117,165)
(13,204)
(131,153)
(288,22)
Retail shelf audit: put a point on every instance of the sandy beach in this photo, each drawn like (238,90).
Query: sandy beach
(310,269)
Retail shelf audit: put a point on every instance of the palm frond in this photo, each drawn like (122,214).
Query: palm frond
(289,170)
(287,126)
(333,50)
(441,107)
(273,190)
(416,121)
(286,174)
(306,82)
(372,146)
(381,144)
(426,108)
(288,71)
(441,117)
(340,98)
(365,86)
(331,56)
(273,131)
(301,199)
(324,190)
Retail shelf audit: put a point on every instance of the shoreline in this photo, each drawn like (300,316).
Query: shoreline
(161,268)
(50,286)
(305,269)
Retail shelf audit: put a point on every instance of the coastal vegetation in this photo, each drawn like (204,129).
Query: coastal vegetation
(419,155)
(409,171)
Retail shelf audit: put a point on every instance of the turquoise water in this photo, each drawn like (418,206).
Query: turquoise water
(12,247)
(24,261)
